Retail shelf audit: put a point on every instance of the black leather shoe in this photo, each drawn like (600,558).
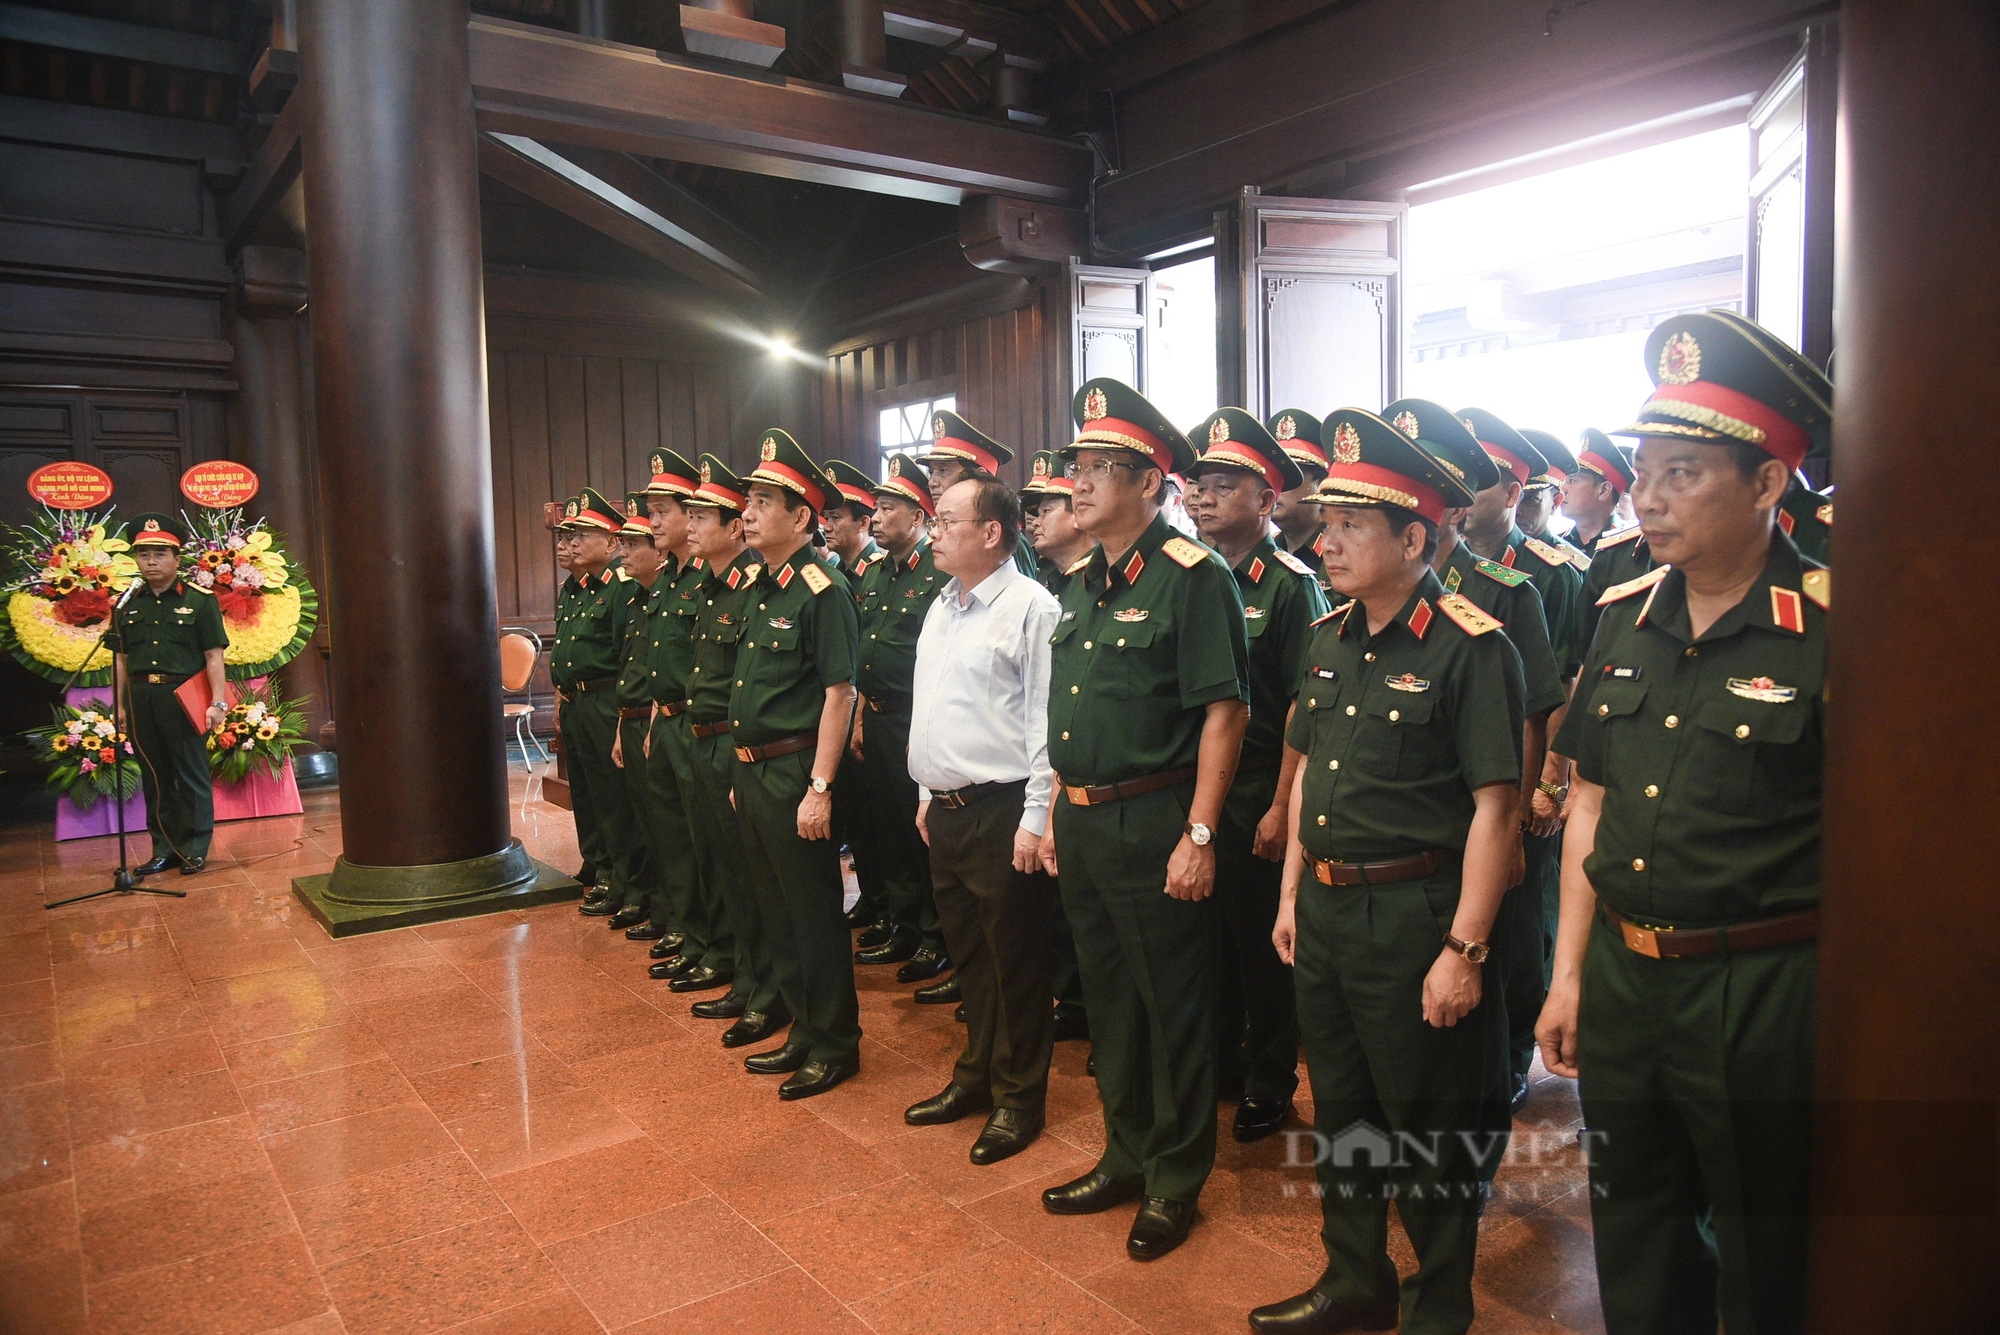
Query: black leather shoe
(754,1027)
(663,950)
(1008,1132)
(1313,1313)
(780,1061)
(673,940)
(900,945)
(699,979)
(1093,1193)
(1257,1118)
(873,934)
(954,1102)
(945,993)
(858,917)
(629,916)
(646,931)
(959,1014)
(1071,1023)
(189,866)
(678,967)
(1161,1226)
(817,1078)
(720,1008)
(602,907)
(157,865)
(586,874)
(1520,1099)
(925,964)
(594,891)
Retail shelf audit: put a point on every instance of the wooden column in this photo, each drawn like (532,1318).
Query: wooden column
(392,191)
(1909,1040)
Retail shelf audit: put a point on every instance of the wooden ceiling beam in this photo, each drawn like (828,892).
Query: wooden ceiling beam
(122,41)
(266,181)
(549,87)
(1182,40)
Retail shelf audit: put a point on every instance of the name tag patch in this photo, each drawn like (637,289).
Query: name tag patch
(1622,673)
(1326,674)
(1409,681)
(1763,689)
(1069,616)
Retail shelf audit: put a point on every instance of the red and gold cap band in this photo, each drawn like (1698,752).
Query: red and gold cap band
(953,447)
(855,494)
(776,474)
(154,536)
(1242,456)
(1124,435)
(670,485)
(915,495)
(1381,486)
(1508,460)
(717,494)
(1736,415)
(1604,468)
(598,519)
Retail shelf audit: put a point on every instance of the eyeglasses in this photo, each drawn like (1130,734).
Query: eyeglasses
(944,522)
(1099,471)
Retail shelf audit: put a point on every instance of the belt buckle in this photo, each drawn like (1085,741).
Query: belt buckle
(1078,796)
(743,754)
(1322,871)
(953,799)
(154,678)
(1640,940)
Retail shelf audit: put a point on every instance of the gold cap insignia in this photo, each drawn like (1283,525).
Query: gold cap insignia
(1288,428)
(1680,360)
(770,450)
(1041,466)
(831,477)
(1346,444)
(705,479)
(658,463)
(1466,422)
(1095,406)
(937,429)
(1406,422)
(152,526)
(1218,432)
(895,467)
(631,508)
(572,510)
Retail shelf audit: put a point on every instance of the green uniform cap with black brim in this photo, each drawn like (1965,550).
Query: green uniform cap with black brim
(720,489)
(155,529)
(1561,463)
(595,514)
(1598,453)
(1236,440)
(1720,377)
(1444,436)
(671,475)
(852,484)
(1514,452)
(907,482)
(572,510)
(1370,463)
(1297,434)
(1111,415)
(1046,475)
(952,437)
(783,463)
(635,525)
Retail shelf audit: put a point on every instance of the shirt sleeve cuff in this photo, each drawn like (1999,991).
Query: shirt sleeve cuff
(1035,820)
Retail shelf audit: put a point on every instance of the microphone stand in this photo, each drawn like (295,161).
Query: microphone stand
(122,882)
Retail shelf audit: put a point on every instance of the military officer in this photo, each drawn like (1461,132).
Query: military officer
(1491,531)
(1538,497)
(169,630)
(639,567)
(1508,595)
(595,873)
(1618,554)
(698,934)
(1404,821)
(1806,516)
(895,595)
(1297,513)
(1147,709)
(1687,959)
(960,450)
(1236,482)
(791,713)
(849,521)
(585,664)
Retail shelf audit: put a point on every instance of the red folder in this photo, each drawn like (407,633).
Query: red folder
(195,698)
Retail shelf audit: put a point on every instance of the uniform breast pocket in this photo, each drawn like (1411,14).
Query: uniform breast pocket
(1395,738)
(1615,705)
(1747,754)
(1134,662)
(776,639)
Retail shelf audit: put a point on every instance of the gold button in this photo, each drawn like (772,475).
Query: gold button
(1395,715)
(1742,730)
(760,607)
(1333,764)
(1652,790)
(1086,644)
(1121,643)
(1638,864)
(1322,820)
(1692,651)
(1368,658)
(1065,736)
(739,683)
(1673,720)
(1312,704)
(1604,711)
(1072,690)
(1350,711)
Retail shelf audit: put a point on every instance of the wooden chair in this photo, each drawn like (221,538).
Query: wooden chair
(520,650)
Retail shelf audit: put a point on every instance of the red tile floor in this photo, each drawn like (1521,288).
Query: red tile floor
(215,1118)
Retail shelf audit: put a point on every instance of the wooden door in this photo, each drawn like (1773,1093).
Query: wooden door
(1788,254)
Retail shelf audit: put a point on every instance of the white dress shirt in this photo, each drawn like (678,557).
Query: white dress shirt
(981,712)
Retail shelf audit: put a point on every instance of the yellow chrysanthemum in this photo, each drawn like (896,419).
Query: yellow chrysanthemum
(277,620)
(50,640)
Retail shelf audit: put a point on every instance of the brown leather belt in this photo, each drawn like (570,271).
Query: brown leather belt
(642,711)
(668,710)
(163,679)
(596,684)
(1427,863)
(784,746)
(1097,794)
(960,798)
(709,729)
(1674,943)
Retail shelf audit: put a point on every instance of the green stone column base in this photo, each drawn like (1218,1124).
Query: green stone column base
(353,899)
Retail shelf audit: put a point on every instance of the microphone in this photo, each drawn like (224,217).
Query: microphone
(126,596)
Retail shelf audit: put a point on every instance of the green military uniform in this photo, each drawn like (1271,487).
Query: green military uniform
(1281,598)
(798,640)
(596,869)
(952,437)
(894,596)
(1696,1051)
(1616,555)
(871,907)
(640,864)
(165,639)
(1297,434)
(1806,516)
(585,665)
(1398,728)
(1141,650)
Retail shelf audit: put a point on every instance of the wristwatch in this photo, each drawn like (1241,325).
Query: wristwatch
(820,785)
(1474,951)
(1199,834)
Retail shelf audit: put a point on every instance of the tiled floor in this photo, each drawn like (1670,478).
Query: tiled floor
(215,1118)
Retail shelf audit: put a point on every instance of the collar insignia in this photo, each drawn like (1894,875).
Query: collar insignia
(1256,569)
(784,577)
(1452,579)
(1764,689)
(1133,567)
(1420,620)
(1788,610)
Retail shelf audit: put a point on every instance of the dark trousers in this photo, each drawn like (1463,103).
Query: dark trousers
(996,925)
(851,830)
(1065,976)
(680,898)
(888,809)
(636,866)
(718,830)
(1524,948)
(1145,958)
(797,882)
(1260,1015)
(1403,1111)
(173,772)
(1697,1086)
(589,722)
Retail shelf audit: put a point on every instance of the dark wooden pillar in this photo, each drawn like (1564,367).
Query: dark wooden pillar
(1909,1040)
(392,191)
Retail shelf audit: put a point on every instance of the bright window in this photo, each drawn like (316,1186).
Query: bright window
(906,428)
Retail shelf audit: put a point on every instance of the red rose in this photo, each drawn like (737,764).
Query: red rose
(226,739)
(84,607)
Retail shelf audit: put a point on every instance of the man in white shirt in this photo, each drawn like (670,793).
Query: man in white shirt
(979,752)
